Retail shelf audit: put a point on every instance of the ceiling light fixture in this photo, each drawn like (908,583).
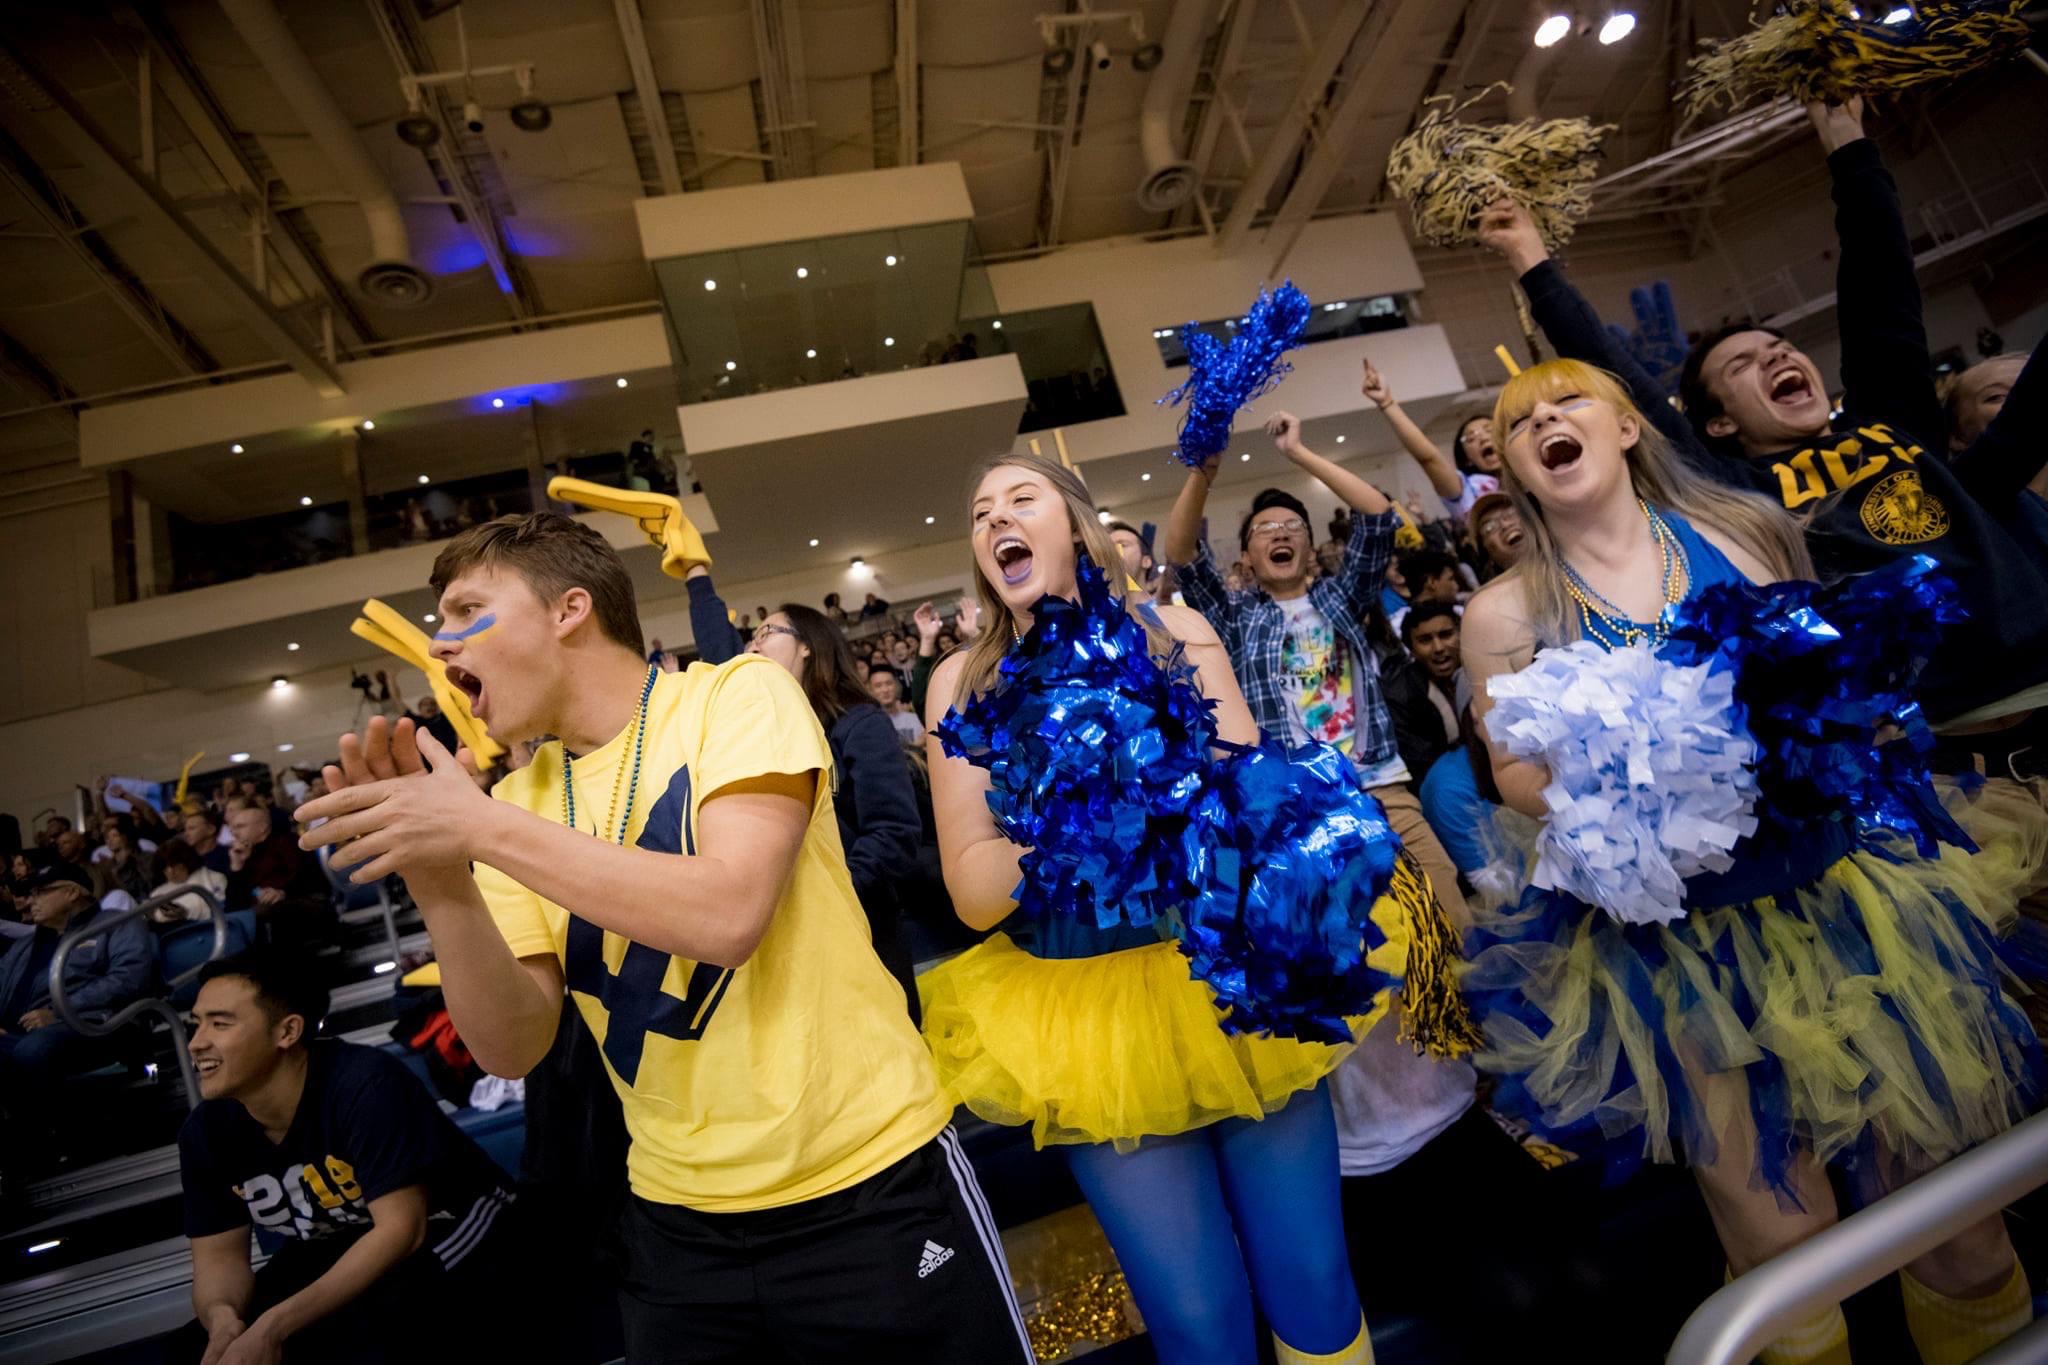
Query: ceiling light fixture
(997,324)
(858,565)
(1144,478)
(292,647)
(1102,515)
(368,425)
(930,520)
(620,381)
(710,284)
(425,479)
(810,353)
(1246,457)
(428,618)
(1551,31)
(888,341)
(1340,440)
(238,758)
(284,748)
(235,449)
(1618,26)
(305,502)
(280,683)
(888,260)
(803,272)
(814,542)
(497,402)
(731,365)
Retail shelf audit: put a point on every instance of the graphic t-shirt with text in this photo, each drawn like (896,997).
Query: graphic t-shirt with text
(1321,704)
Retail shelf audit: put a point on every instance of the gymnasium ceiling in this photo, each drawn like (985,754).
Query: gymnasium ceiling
(166,218)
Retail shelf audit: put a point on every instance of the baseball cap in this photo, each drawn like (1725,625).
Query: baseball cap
(53,874)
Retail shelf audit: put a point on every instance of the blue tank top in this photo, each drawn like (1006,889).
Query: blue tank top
(1776,858)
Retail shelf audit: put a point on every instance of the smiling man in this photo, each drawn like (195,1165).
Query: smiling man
(1873,483)
(396,1229)
(672,861)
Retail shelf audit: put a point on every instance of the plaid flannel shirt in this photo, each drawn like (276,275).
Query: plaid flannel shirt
(1254,629)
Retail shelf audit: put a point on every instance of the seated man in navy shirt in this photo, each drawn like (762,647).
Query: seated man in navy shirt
(395,1229)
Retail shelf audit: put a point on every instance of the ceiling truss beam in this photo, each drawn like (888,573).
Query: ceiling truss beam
(634,35)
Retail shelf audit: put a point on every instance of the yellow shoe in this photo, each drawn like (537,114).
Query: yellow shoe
(659,515)
(395,635)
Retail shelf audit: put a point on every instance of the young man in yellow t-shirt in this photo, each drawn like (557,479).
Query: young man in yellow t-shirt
(673,862)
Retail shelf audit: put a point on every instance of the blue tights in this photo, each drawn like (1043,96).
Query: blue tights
(1202,1221)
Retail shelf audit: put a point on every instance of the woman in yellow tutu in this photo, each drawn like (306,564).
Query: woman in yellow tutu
(1716,964)
(1210,1158)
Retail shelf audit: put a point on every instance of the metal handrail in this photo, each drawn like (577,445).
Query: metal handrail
(157,1005)
(1763,1305)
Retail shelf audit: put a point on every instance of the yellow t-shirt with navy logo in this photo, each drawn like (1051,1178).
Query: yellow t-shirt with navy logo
(793,1076)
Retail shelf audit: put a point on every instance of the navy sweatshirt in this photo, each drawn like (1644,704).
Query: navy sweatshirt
(1879,486)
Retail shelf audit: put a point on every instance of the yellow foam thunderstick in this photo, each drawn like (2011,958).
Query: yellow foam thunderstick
(659,515)
(391,632)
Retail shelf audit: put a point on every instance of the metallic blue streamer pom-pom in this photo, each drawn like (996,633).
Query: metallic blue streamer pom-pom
(1224,377)
(1096,755)
(1294,853)
(1822,671)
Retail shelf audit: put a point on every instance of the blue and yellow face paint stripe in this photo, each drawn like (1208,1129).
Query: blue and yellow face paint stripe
(483,624)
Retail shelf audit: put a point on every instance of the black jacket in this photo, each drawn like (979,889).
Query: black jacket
(1418,725)
(1880,485)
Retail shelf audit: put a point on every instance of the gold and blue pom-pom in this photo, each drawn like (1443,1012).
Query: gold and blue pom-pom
(1096,755)
(1833,49)
(1224,376)
(1293,854)
(1451,171)
(1826,678)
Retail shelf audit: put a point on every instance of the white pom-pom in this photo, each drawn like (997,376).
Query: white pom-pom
(1652,774)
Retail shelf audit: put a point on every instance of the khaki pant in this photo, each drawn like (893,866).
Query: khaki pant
(1404,813)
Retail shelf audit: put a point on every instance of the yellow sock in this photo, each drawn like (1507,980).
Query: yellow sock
(1950,1331)
(1820,1340)
(1359,1352)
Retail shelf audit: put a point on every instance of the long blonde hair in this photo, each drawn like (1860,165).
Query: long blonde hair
(1659,477)
(998,630)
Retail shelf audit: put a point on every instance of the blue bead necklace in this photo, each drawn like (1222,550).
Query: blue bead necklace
(632,788)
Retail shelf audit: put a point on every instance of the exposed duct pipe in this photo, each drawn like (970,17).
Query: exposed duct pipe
(391,278)
(1169,176)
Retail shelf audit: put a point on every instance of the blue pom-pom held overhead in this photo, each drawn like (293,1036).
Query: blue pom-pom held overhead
(1224,377)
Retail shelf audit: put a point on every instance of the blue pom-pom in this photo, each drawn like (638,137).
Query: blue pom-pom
(1824,673)
(1650,773)
(1223,378)
(1293,853)
(1096,754)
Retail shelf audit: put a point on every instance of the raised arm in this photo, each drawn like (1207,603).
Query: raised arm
(710,621)
(1886,372)
(1352,491)
(1497,639)
(1184,522)
(1441,471)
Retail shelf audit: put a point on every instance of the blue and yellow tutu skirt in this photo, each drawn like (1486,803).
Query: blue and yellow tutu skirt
(1862,1013)
(1127,1045)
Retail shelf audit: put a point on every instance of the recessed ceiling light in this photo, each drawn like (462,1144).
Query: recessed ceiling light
(428,618)
(305,502)
(497,402)
(997,324)
(1552,30)
(803,272)
(1144,478)
(280,683)
(238,758)
(1246,457)
(810,354)
(293,647)
(888,341)
(814,542)
(929,520)
(888,260)
(1621,23)
(731,365)
(284,748)
(711,284)
(1340,440)
(235,449)
(1102,515)
(368,425)
(622,381)
(858,563)
(425,479)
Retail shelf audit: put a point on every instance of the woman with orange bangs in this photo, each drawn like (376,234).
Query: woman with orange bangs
(1819,1000)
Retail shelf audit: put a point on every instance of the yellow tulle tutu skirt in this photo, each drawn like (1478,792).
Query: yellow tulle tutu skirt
(1104,1049)
(2008,821)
